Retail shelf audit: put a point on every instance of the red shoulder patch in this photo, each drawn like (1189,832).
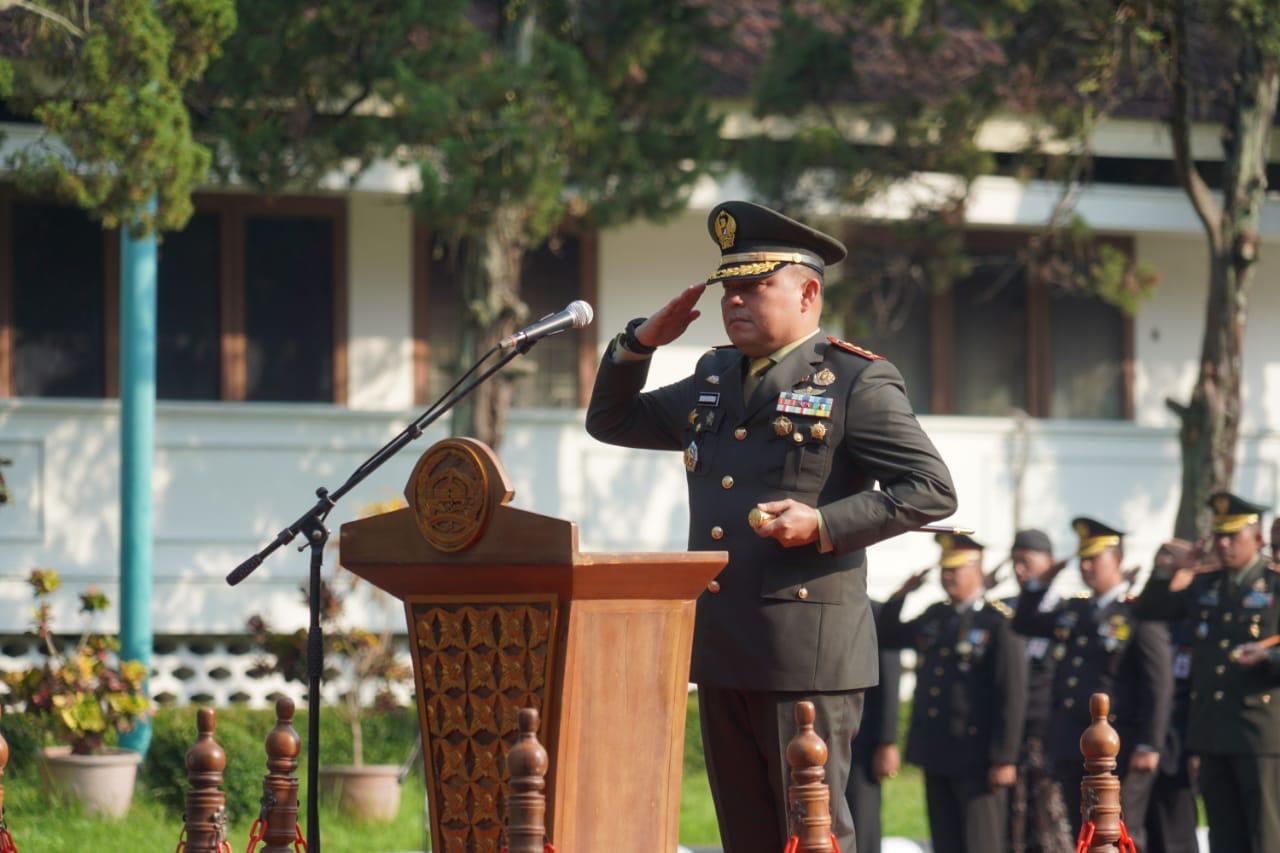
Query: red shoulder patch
(855,349)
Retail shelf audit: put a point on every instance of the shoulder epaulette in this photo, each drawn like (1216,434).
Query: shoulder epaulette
(854,348)
(1000,607)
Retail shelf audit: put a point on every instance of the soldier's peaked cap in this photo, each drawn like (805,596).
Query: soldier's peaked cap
(957,549)
(1095,537)
(755,242)
(1232,513)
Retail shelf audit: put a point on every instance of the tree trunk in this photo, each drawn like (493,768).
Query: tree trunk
(492,310)
(1210,422)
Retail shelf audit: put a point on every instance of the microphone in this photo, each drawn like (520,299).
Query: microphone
(575,315)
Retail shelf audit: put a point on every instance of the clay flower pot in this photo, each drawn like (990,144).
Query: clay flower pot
(102,783)
(370,792)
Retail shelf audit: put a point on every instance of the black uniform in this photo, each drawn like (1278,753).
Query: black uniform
(1235,710)
(826,423)
(1103,650)
(1037,818)
(966,716)
(879,727)
(1171,816)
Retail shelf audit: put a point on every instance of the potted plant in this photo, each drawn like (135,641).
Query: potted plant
(364,666)
(87,693)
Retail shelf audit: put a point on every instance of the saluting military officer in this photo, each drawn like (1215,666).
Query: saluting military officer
(1235,679)
(970,701)
(1100,647)
(1037,818)
(801,426)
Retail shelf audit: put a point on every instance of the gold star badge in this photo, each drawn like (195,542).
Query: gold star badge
(824,377)
(782,425)
(818,431)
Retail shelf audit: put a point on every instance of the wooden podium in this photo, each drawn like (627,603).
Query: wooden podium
(505,613)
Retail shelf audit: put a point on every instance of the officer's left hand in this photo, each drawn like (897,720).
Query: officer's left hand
(1250,654)
(1144,761)
(795,524)
(1002,776)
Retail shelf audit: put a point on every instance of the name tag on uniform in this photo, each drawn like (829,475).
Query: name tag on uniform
(1257,600)
(1182,665)
(805,404)
(708,398)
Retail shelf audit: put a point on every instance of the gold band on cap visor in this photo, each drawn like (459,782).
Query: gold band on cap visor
(956,559)
(1095,545)
(1233,523)
(740,270)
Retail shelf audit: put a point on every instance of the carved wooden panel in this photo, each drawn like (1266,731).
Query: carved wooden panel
(478,664)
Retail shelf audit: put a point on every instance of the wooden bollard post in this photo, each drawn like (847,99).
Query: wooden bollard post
(808,795)
(206,817)
(1100,787)
(527,803)
(280,786)
(6,840)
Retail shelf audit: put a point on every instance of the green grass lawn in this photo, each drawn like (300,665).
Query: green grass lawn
(41,825)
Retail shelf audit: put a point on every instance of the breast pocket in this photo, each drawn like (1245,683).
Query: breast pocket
(701,440)
(798,453)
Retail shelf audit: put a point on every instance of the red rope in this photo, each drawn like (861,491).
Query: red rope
(793,844)
(835,845)
(1086,837)
(299,843)
(1125,842)
(6,840)
(257,832)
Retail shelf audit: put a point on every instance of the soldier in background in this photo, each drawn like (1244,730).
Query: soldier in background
(1235,678)
(1099,646)
(966,718)
(875,749)
(1172,814)
(1037,817)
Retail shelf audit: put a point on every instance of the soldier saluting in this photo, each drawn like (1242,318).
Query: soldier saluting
(970,700)
(1235,676)
(1099,646)
(802,426)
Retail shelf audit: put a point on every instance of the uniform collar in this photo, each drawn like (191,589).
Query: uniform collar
(779,354)
(1109,597)
(1248,574)
(796,362)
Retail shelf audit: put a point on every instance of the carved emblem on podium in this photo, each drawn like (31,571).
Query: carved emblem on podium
(450,496)
(479,664)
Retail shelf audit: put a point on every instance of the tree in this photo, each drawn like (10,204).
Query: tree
(105,82)
(923,78)
(520,116)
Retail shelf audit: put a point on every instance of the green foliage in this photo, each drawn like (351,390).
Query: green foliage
(107,87)
(365,665)
(87,692)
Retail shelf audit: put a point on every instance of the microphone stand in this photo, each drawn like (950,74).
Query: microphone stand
(311,526)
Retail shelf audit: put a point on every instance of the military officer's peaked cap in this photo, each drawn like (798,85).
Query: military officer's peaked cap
(755,242)
(957,549)
(1095,537)
(1232,513)
(1032,540)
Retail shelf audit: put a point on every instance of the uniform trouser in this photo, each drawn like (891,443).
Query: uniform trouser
(1135,795)
(863,795)
(744,738)
(965,815)
(1242,801)
(1171,815)
(1037,818)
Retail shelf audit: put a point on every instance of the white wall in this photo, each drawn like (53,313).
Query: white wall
(380,332)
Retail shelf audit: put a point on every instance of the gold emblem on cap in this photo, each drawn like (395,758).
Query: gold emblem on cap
(824,377)
(782,426)
(1082,529)
(946,541)
(1221,504)
(726,229)
(818,431)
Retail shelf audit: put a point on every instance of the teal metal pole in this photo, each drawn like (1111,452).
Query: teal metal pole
(138,272)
